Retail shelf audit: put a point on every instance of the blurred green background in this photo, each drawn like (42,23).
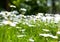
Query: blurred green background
(31,6)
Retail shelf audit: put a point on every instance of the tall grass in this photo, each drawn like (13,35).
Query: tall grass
(30,32)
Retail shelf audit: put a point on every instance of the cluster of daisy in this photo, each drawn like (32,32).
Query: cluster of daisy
(12,19)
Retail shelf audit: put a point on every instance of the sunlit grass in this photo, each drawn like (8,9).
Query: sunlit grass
(30,32)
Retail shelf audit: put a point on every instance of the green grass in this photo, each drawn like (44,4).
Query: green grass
(10,34)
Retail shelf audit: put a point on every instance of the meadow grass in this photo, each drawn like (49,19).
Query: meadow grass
(30,32)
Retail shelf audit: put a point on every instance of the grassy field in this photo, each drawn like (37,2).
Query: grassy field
(30,31)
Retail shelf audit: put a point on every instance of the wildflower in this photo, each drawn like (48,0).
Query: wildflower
(40,14)
(43,18)
(4,13)
(21,36)
(13,6)
(58,32)
(45,35)
(31,40)
(45,30)
(37,17)
(12,24)
(14,12)
(57,15)
(48,18)
(56,19)
(48,14)
(15,22)
(7,13)
(23,9)
(55,37)
(9,23)
(6,22)
(49,35)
